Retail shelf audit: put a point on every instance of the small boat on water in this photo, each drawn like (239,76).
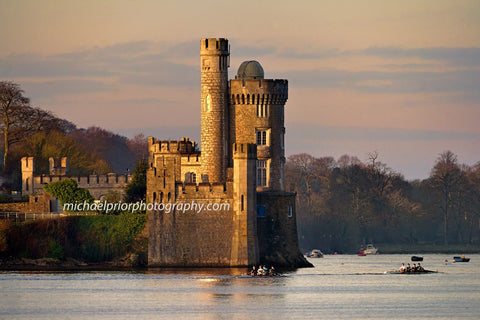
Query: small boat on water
(316,254)
(461,259)
(411,272)
(416,258)
(370,249)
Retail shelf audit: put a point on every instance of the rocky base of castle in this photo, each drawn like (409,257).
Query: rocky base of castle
(286,262)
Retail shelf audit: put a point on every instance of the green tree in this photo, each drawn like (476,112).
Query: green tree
(67,191)
(136,189)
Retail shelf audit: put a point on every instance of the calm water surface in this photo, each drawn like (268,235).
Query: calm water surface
(339,287)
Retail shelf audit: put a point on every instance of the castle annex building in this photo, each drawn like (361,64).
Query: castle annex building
(241,164)
(97,185)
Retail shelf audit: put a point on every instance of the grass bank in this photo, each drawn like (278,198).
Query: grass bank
(90,239)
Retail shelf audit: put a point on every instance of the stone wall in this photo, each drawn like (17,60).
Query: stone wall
(97,185)
(193,239)
(277,230)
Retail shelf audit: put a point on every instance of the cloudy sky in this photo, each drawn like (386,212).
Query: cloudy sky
(398,77)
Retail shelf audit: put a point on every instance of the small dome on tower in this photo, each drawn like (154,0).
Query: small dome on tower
(250,70)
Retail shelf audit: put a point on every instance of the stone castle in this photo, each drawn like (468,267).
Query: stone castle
(98,185)
(241,164)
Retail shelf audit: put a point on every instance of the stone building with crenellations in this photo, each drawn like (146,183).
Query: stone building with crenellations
(97,185)
(241,164)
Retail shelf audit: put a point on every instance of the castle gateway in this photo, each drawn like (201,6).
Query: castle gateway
(226,205)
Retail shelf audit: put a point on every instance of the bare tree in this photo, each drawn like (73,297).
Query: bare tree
(12,105)
(138,146)
(19,120)
(446,175)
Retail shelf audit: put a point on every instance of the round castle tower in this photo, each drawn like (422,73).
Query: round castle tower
(214,56)
(257,116)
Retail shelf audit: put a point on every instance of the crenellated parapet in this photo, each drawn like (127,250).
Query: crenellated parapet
(205,191)
(165,146)
(258,91)
(244,151)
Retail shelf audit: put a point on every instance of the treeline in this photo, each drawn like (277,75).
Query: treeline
(30,131)
(345,203)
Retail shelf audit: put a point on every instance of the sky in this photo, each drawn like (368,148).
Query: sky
(400,78)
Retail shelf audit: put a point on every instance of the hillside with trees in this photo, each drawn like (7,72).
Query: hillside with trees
(30,131)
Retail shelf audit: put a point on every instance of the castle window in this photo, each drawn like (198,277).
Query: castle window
(261,211)
(262,110)
(262,138)
(242,204)
(289,211)
(190,177)
(154,196)
(261,173)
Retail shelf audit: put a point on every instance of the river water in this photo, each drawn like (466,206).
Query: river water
(339,287)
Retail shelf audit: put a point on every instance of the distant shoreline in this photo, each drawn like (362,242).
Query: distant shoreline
(427,249)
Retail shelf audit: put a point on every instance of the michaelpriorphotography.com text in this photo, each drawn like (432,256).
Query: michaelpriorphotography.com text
(183,207)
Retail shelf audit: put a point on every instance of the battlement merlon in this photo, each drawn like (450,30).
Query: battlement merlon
(28,164)
(185,146)
(58,166)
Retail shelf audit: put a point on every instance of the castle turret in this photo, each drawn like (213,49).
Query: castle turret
(257,116)
(214,55)
(244,241)
(28,164)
